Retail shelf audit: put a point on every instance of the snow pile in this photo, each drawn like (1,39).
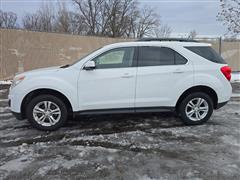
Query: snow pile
(3,91)
(8,82)
(235,77)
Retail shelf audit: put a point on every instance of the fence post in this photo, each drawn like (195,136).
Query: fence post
(220,45)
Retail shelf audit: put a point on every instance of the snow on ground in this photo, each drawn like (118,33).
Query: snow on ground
(3,90)
(141,146)
(8,82)
(235,77)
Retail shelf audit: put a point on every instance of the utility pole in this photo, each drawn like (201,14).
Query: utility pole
(220,45)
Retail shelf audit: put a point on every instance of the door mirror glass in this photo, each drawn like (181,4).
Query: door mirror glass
(90,65)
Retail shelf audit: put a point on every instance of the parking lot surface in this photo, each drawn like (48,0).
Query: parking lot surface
(141,146)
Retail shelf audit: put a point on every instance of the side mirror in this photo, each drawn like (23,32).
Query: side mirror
(90,65)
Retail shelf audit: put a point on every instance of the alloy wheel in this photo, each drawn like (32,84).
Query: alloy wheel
(197,109)
(46,113)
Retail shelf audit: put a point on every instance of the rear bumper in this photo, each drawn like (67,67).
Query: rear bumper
(219,105)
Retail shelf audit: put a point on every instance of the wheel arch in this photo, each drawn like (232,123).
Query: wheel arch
(44,91)
(209,91)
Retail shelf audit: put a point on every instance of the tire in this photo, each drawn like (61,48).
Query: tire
(46,119)
(197,114)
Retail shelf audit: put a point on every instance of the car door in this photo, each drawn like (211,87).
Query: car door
(162,76)
(111,85)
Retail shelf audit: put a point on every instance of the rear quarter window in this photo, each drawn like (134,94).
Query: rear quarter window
(207,53)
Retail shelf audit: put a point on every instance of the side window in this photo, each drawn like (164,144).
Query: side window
(207,53)
(115,58)
(149,56)
(156,56)
(166,56)
(179,59)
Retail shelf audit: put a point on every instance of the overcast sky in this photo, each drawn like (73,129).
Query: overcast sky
(181,15)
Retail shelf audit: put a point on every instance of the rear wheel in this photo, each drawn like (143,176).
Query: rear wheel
(46,112)
(196,108)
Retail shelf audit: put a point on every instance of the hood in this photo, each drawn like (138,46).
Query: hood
(40,71)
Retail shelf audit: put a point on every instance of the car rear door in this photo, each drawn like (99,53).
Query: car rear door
(162,75)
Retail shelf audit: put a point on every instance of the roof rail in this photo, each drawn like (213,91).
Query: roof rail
(167,39)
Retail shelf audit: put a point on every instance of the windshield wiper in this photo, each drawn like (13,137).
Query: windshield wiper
(65,66)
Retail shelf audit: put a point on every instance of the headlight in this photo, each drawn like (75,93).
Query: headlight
(17,80)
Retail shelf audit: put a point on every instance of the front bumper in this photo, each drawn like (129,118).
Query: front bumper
(15,100)
(18,116)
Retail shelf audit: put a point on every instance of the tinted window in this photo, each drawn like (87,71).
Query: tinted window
(208,53)
(179,59)
(116,58)
(166,56)
(155,56)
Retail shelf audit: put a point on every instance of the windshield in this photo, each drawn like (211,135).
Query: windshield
(84,56)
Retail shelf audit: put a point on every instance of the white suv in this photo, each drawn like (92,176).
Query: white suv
(150,75)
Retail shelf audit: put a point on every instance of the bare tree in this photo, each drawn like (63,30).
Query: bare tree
(63,18)
(90,11)
(116,18)
(8,19)
(120,14)
(42,20)
(77,25)
(163,31)
(147,23)
(192,34)
(47,17)
(112,18)
(31,22)
(132,30)
(230,15)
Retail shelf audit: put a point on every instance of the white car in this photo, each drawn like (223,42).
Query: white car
(150,75)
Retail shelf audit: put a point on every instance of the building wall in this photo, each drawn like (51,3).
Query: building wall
(25,50)
(231,52)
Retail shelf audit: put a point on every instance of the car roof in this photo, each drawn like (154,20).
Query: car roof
(156,43)
(168,39)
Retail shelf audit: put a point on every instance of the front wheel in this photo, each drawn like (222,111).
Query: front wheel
(196,108)
(46,112)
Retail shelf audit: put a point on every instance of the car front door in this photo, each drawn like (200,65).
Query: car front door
(111,85)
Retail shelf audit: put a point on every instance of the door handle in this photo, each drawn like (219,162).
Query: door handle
(126,75)
(178,71)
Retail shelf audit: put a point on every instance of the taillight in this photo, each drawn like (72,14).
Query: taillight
(226,70)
